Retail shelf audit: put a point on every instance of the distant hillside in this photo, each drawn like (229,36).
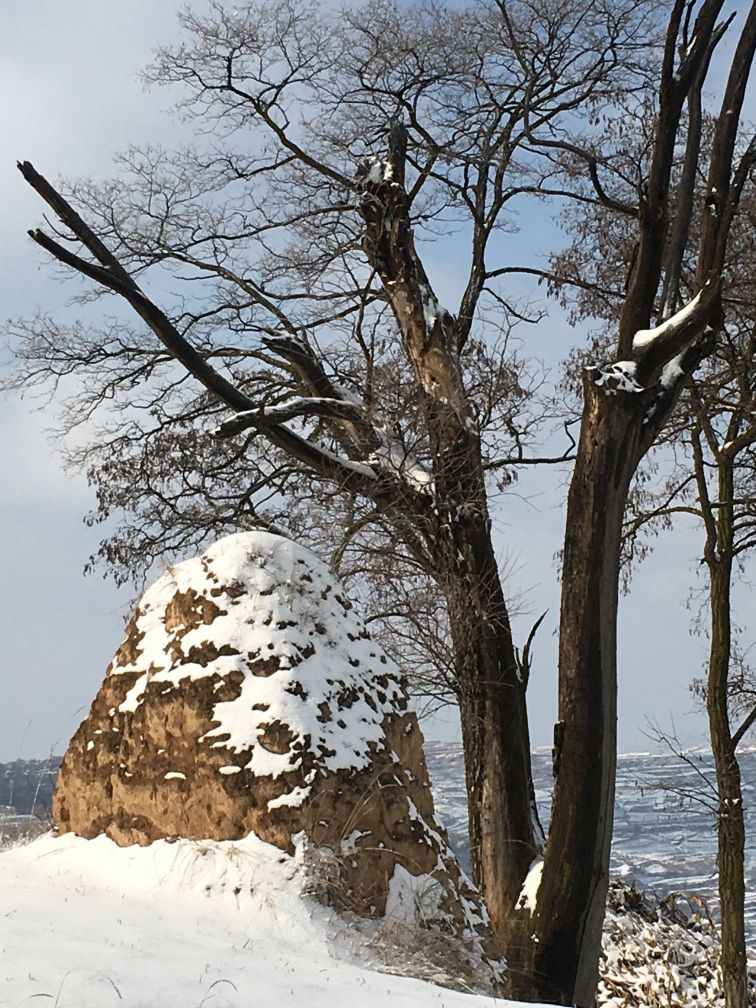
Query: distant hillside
(27,786)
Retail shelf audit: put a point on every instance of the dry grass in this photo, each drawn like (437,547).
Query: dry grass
(418,947)
(661,955)
(20,830)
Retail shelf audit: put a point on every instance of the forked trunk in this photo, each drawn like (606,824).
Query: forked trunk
(557,952)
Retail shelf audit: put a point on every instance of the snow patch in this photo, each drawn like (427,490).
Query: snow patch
(618,377)
(292,799)
(205,922)
(529,891)
(393,457)
(671,372)
(378,171)
(413,899)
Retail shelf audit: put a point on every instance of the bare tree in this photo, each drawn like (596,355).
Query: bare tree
(670,314)
(714,481)
(307,316)
(702,469)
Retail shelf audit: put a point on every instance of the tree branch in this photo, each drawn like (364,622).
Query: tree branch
(427,329)
(555,279)
(117,280)
(653,217)
(354,476)
(746,725)
(717,221)
(266,416)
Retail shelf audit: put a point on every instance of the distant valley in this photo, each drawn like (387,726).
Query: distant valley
(26,787)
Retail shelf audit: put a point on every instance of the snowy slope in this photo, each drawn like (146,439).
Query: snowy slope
(86,924)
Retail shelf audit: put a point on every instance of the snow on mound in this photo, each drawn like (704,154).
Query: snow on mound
(87,924)
(281,622)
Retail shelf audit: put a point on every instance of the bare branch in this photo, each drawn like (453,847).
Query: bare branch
(117,280)
(748,722)
(265,416)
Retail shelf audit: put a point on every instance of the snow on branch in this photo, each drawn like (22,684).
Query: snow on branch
(353,427)
(352,476)
(660,352)
(310,370)
(292,409)
(379,478)
(665,330)
(617,377)
(388,459)
(391,456)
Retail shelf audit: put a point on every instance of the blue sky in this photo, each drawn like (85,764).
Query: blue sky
(72,100)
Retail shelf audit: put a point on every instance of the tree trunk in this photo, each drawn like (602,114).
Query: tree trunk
(557,953)
(730,824)
(730,856)
(505,834)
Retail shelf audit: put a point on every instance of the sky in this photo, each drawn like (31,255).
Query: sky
(69,74)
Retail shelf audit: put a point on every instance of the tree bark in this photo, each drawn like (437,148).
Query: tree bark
(730,823)
(556,955)
(505,834)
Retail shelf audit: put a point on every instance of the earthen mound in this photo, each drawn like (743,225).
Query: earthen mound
(248,697)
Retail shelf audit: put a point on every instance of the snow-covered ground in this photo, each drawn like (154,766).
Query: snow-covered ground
(86,924)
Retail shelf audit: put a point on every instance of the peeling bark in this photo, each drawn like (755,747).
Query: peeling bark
(505,835)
